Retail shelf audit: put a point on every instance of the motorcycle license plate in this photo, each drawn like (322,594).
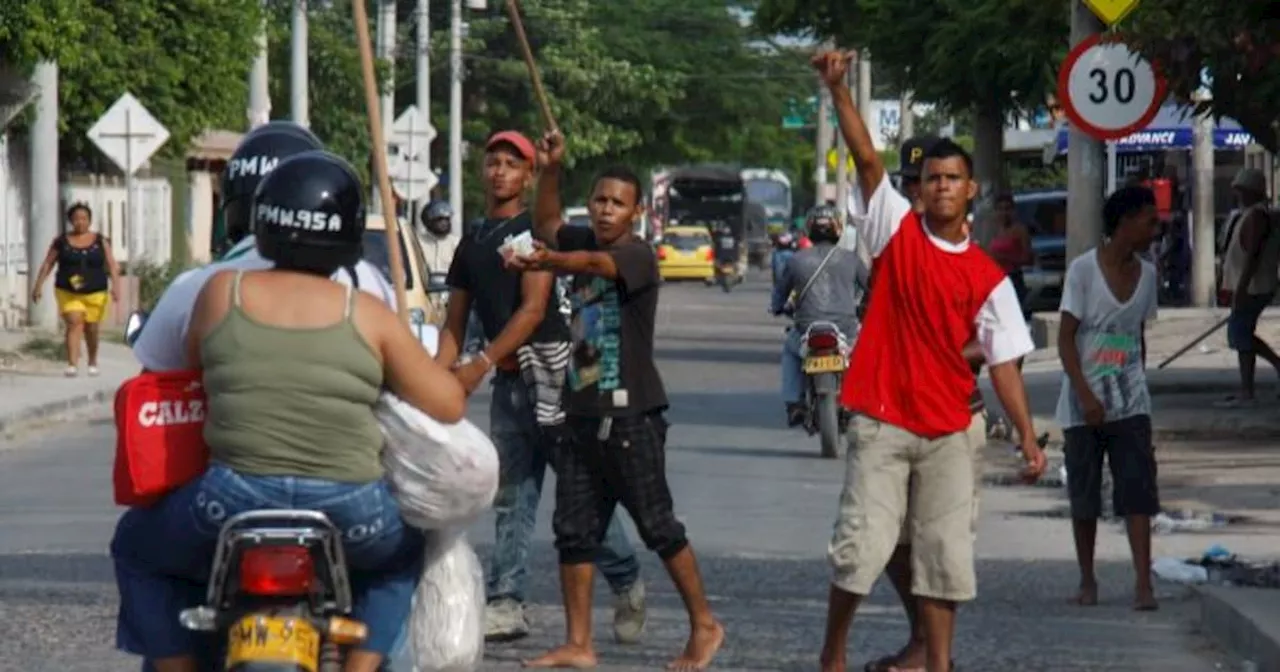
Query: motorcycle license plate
(263,639)
(824,364)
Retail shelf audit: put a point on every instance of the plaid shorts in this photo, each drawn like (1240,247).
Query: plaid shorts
(593,476)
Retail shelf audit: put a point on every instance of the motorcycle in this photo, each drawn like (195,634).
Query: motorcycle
(279,593)
(726,262)
(824,353)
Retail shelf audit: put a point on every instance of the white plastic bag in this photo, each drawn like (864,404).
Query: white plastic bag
(443,476)
(447,625)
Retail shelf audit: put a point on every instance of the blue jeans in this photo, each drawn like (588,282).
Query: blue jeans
(792,375)
(163,555)
(522,455)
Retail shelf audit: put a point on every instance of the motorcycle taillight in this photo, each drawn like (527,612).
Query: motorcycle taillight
(825,340)
(277,571)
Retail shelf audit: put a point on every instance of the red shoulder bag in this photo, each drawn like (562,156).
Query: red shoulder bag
(159,435)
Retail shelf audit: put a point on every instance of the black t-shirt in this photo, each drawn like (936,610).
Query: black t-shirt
(495,291)
(611,367)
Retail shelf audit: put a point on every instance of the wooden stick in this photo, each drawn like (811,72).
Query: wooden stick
(1193,344)
(380,157)
(513,11)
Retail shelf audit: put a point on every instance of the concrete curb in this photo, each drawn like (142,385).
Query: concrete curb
(1191,427)
(1238,620)
(17,422)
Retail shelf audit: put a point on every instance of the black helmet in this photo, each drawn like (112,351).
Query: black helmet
(822,224)
(258,153)
(309,215)
(437,217)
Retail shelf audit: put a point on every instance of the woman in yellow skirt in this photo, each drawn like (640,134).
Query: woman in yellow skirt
(86,282)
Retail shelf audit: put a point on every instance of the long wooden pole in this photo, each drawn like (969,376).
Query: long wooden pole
(513,12)
(380,157)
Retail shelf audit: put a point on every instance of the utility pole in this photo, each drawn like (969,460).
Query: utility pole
(423,81)
(842,163)
(299,84)
(1203,247)
(259,81)
(455,113)
(822,138)
(906,118)
(43,218)
(864,88)
(386,39)
(1086,161)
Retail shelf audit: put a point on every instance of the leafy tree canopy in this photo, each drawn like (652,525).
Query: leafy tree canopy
(961,54)
(1237,42)
(190,79)
(652,83)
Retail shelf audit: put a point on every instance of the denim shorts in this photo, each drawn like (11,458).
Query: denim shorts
(163,554)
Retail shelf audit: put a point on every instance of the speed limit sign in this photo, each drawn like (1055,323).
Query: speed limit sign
(1107,90)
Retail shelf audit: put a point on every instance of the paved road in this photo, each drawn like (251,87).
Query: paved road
(757,500)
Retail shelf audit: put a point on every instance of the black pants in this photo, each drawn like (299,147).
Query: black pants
(1126,445)
(594,476)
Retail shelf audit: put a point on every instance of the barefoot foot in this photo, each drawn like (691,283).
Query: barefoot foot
(1145,599)
(567,656)
(832,663)
(704,643)
(1087,596)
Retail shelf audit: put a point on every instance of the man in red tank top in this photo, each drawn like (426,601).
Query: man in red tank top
(933,292)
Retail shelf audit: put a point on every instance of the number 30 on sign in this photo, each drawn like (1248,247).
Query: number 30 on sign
(1107,90)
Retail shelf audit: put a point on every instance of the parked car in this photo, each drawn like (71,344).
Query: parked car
(423,298)
(1045,214)
(577,217)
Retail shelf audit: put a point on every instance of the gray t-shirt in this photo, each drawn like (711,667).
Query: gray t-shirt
(1109,341)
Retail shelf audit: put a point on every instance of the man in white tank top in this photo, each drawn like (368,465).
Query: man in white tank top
(1250,268)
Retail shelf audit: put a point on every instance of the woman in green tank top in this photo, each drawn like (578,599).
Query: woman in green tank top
(293,364)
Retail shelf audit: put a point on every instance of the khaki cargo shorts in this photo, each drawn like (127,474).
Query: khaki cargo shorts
(901,488)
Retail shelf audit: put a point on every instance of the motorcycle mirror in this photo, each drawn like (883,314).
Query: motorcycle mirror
(133,326)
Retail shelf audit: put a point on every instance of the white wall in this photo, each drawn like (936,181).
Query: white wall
(105,195)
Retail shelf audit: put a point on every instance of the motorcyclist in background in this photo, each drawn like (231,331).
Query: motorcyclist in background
(785,245)
(834,277)
(437,245)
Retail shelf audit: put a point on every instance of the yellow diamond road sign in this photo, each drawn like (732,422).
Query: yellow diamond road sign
(1111,11)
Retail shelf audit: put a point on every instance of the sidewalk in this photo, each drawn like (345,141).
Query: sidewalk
(1184,393)
(1212,460)
(35,391)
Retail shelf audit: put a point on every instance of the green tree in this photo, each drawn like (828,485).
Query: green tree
(1238,43)
(961,54)
(336,102)
(190,79)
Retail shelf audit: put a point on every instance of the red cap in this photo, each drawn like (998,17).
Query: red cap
(515,139)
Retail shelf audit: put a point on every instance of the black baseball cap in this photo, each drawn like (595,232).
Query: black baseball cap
(911,158)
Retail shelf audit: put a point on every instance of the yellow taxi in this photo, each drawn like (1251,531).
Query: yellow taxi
(422,307)
(685,253)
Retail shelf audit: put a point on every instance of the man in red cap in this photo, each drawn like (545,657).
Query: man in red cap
(525,334)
